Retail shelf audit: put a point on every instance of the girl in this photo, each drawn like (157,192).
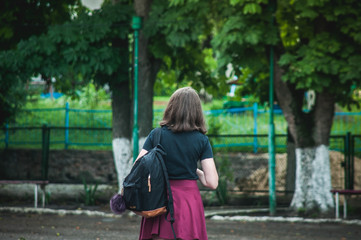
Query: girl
(183,139)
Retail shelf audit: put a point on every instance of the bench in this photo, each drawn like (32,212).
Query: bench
(36,183)
(345,193)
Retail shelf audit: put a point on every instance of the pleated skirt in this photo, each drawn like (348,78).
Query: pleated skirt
(188,214)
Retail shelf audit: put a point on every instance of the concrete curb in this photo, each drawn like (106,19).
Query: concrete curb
(213,215)
(233,212)
(285,219)
(60,212)
(230,215)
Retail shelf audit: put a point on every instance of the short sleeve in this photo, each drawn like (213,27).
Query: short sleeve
(207,150)
(148,144)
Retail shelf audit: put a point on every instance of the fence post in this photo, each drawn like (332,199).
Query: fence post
(255,113)
(6,135)
(66,125)
(347,161)
(352,161)
(45,152)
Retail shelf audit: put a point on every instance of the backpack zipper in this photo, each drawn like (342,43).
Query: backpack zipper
(149,185)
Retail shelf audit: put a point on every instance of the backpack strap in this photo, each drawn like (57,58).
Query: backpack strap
(170,198)
(157,136)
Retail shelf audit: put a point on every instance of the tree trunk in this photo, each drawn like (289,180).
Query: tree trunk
(313,180)
(121,120)
(291,164)
(148,69)
(310,132)
(122,147)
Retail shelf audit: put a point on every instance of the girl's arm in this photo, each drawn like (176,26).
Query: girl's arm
(209,175)
(141,154)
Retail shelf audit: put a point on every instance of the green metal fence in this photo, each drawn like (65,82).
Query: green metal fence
(247,154)
(247,121)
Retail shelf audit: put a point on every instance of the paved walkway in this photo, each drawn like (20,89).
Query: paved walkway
(48,224)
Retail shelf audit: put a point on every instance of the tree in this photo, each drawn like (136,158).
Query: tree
(95,47)
(165,44)
(20,20)
(147,71)
(317,47)
(171,40)
(92,47)
(180,35)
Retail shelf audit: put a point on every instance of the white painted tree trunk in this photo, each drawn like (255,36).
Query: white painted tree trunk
(123,157)
(313,180)
(122,151)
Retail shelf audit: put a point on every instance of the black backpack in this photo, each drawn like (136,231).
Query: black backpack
(146,189)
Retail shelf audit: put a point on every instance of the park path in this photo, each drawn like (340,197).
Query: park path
(35,226)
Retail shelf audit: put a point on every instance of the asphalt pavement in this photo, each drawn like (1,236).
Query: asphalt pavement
(48,224)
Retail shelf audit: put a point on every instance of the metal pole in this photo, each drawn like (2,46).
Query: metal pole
(271,134)
(348,161)
(271,147)
(136,24)
(66,125)
(45,152)
(352,161)
(255,113)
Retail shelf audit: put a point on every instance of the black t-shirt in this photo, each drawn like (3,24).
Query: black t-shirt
(184,150)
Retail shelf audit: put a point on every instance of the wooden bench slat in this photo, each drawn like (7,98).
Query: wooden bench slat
(346,191)
(24,181)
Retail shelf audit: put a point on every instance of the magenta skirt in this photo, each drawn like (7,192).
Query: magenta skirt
(188,214)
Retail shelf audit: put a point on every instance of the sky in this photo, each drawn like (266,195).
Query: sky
(92,4)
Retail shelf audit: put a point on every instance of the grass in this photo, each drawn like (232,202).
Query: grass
(52,113)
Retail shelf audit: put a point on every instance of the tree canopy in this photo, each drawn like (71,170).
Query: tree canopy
(180,35)
(91,47)
(21,19)
(318,43)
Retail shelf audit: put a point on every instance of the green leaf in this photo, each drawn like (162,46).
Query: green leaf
(309,13)
(252,8)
